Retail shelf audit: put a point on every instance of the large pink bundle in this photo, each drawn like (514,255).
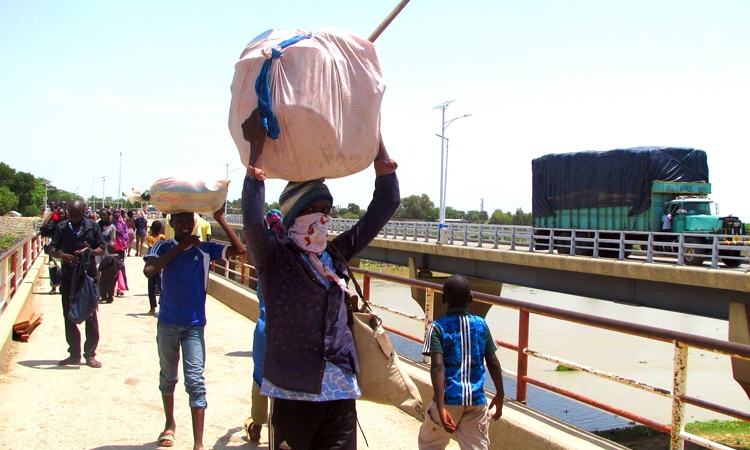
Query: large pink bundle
(325,92)
(187,192)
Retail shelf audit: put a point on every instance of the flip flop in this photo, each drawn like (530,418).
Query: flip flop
(166,438)
(92,362)
(252,430)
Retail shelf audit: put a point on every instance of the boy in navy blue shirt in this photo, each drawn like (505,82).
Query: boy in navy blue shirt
(459,344)
(183,263)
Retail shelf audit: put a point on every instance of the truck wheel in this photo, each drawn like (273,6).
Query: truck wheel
(692,255)
(541,240)
(731,262)
(585,248)
(562,242)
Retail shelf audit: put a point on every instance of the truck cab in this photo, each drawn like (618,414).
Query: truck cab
(692,214)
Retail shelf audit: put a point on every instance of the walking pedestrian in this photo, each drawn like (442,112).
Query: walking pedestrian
(183,262)
(76,238)
(141,225)
(310,364)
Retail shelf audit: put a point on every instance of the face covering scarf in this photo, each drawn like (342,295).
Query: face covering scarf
(310,234)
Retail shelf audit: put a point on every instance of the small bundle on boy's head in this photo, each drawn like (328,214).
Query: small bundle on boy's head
(457,291)
(187,191)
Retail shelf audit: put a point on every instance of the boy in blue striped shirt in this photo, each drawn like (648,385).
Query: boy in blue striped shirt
(459,344)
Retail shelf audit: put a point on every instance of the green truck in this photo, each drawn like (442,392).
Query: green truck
(630,190)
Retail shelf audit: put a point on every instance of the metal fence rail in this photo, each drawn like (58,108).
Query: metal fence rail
(681,341)
(651,247)
(15,264)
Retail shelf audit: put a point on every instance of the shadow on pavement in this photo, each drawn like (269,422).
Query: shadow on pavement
(223,442)
(150,445)
(242,354)
(47,364)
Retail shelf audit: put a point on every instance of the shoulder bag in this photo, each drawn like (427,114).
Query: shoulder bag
(382,377)
(84,293)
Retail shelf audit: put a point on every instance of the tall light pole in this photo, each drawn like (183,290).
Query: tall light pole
(103,178)
(226,178)
(443,238)
(119,183)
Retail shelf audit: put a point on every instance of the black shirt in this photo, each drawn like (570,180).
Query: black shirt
(69,241)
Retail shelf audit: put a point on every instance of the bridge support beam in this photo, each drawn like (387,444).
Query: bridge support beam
(478,285)
(739,331)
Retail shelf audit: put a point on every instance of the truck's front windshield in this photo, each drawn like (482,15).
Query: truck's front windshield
(694,208)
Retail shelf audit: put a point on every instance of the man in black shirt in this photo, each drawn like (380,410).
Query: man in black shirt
(74,239)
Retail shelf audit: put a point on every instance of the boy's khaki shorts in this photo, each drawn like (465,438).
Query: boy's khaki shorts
(472,428)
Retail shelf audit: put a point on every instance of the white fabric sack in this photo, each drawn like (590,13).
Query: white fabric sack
(326,93)
(188,192)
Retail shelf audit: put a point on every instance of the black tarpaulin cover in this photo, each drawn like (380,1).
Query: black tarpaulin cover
(619,177)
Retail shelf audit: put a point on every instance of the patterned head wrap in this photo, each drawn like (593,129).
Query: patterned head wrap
(298,196)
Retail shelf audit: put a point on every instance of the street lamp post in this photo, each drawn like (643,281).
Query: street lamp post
(103,178)
(226,178)
(442,237)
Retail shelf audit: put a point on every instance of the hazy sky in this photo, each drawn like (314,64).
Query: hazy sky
(82,81)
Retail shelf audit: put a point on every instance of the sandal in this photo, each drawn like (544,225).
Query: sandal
(166,438)
(69,360)
(92,362)
(252,430)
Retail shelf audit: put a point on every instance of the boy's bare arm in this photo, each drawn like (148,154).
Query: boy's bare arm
(236,248)
(496,373)
(155,264)
(437,375)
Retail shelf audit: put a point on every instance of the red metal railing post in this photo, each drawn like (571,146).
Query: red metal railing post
(366,292)
(523,358)
(13,274)
(429,309)
(26,257)
(680,389)
(242,268)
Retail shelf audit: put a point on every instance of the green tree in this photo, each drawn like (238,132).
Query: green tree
(417,207)
(7,174)
(477,216)
(501,218)
(8,200)
(353,208)
(23,185)
(522,218)
(452,213)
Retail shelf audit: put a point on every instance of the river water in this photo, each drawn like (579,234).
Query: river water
(645,360)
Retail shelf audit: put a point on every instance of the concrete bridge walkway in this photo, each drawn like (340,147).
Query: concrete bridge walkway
(118,407)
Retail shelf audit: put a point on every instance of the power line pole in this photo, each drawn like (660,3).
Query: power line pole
(119,183)
(103,179)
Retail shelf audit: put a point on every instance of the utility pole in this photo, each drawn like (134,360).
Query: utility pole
(103,179)
(119,183)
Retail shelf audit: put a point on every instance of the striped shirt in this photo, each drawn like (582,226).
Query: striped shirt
(464,340)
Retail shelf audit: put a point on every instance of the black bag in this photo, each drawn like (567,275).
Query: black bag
(84,293)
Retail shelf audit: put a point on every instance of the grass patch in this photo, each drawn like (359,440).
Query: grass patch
(6,242)
(561,368)
(732,433)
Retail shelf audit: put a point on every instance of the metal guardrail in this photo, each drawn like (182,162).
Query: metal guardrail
(650,247)
(682,342)
(15,264)
(731,250)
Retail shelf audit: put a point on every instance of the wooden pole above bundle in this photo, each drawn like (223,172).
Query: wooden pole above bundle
(375,34)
